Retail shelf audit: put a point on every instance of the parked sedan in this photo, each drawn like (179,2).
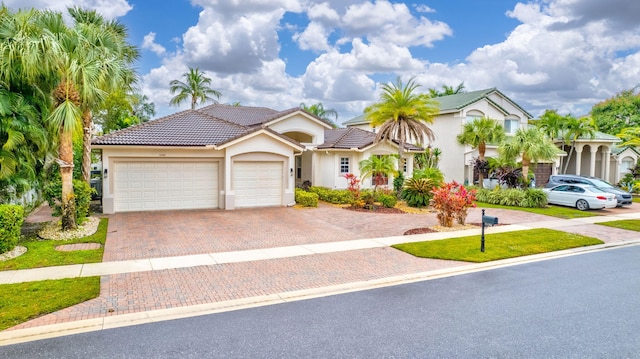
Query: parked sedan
(582,197)
(624,198)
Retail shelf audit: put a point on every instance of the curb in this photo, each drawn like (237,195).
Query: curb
(97,324)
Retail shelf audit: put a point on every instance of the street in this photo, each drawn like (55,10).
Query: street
(583,306)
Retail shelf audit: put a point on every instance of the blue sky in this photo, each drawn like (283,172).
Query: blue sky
(544,54)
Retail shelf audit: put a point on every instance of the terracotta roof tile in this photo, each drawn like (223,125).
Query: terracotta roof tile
(241,115)
(186,128)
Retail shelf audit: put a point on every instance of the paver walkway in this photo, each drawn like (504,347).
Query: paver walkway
(161,260)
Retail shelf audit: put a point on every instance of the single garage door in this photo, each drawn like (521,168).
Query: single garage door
(257,184)
(148,186)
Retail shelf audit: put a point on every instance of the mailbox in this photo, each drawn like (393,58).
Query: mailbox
(490,220)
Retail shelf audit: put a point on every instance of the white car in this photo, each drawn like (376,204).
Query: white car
(582,197)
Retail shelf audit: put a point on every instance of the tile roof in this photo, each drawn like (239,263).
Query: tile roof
(352,137)
(453,103)
(186,128)
(241,115)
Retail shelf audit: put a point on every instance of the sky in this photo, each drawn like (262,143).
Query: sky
(543,54)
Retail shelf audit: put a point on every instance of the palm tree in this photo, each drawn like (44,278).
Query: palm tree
(74,65)
(104,42)
(532,145)
(402,115)
(378,167)
(318,110)
(575,128)
(551,123)
(447,90)
(196,88)
(24,142)
(477,134)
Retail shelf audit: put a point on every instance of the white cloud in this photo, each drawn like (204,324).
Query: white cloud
(109,9)
(149,43)
(314,38)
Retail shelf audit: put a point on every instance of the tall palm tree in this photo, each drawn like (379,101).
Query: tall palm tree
(196,88)
(477,134)
(575,128)
(378,167)
(73,65)
(319,110)
(115,57)
(532,145)
(402,115)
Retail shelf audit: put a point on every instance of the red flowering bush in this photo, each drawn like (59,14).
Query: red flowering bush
(353,185)
(452,202)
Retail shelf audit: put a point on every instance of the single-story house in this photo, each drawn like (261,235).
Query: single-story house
(228,157)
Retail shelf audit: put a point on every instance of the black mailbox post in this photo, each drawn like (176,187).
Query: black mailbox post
(486,220)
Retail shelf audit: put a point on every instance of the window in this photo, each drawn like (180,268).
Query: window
(298,168)
(344,165)
(511,126)
(471,118)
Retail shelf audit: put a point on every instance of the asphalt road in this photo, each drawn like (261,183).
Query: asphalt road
(584,306)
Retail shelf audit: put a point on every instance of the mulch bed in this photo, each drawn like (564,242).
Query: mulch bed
(431,230)
(376,209)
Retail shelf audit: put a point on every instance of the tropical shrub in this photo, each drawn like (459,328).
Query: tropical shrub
(306,199)
(534,198)
(398,182)
(417,192)
(353,186)
(431,173)
(452,202)
(11,218)
(529,197)
(335,196)
(387,200)
(82,199)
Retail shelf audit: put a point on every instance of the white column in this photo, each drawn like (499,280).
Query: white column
(592,162)
(578,158)
(606,154)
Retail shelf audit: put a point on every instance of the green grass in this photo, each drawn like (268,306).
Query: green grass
(498,245)
(628,224)
(24,301)
(549,210)
(42,253)
(636,199)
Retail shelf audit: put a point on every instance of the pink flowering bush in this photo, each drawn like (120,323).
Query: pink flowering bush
(452,202)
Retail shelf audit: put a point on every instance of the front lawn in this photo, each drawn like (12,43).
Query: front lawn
(24,301)
(498,245)
(42,253)
(628,224)
(549,210)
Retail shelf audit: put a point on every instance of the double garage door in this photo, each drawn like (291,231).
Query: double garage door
(148,186)
(164,185)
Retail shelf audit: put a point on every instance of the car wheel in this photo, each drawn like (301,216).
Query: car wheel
(582,205)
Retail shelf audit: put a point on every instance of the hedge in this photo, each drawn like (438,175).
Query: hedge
(335,196)
(306,199)
(530,197)
(82,191)
(11,218)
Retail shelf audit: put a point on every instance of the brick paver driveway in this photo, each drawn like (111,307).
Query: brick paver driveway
(140,235)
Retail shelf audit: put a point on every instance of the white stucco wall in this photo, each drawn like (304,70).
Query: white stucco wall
(301,123)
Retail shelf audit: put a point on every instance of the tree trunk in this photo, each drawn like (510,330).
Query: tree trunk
(66,174)
(566,165)
(525,168)
(400,163)
(482,148)
(87,125)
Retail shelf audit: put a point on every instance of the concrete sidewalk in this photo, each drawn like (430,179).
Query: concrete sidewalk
(234,290)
